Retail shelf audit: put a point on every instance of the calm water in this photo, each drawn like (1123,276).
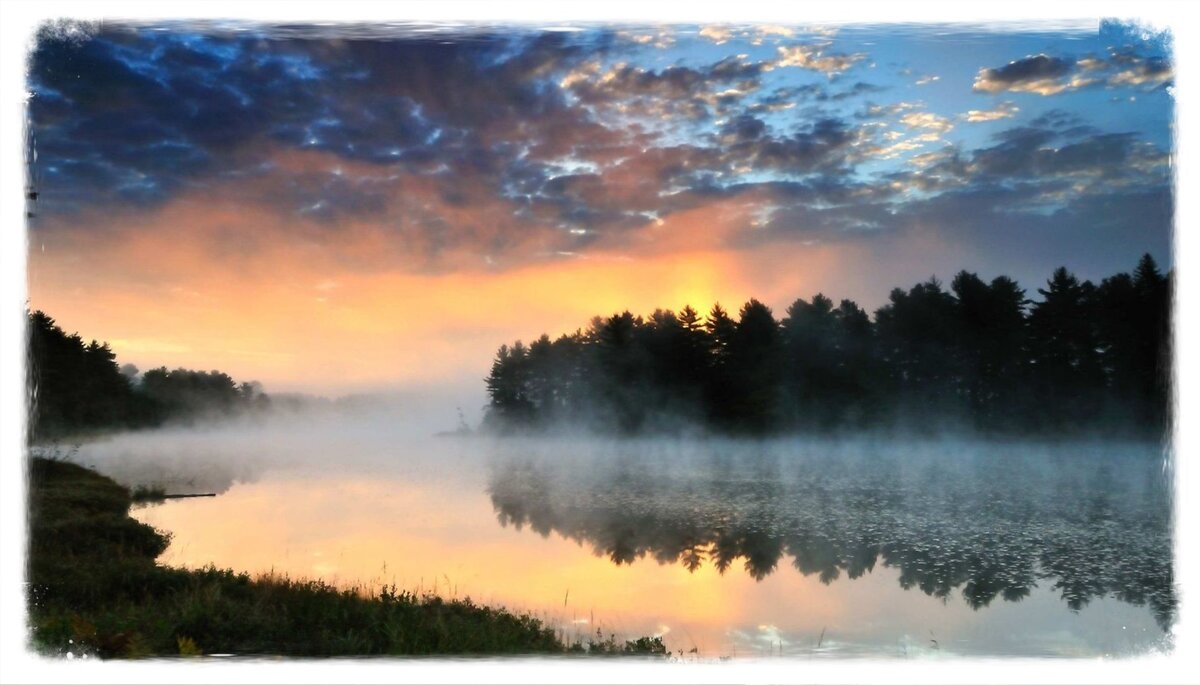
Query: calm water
(729,548)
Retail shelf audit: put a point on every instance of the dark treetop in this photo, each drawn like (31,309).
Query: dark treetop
(1083,358)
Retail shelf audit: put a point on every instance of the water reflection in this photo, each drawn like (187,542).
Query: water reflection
(1089,521)
(367,503)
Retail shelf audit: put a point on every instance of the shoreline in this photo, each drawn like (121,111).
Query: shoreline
(96,590)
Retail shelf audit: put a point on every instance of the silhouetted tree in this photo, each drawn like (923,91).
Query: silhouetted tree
(693,359)
(978,355)
(917,331)
(624,365)
(811,362)
(1153,348)
(991,348)
(753,366)
(508,386)
(858,367)
(73,386)
(76,387)
(721,384)
(1065,357)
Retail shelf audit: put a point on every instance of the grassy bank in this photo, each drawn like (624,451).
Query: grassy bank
(95,588)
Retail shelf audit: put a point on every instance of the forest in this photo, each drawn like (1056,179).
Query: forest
(77,387)
(979,356)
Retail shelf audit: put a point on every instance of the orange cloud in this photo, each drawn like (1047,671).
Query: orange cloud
(217,280)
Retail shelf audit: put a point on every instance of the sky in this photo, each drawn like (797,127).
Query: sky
(346,209)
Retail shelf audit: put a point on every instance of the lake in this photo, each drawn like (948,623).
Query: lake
(730,548)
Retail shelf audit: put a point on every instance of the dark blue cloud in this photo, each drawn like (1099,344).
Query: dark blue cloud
(1032,69)
(1123,67)
(124,105)
(560,133)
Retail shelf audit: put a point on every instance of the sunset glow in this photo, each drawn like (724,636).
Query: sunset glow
(329,216)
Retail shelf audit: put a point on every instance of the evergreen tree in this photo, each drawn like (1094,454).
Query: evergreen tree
(79,388)
(990,348)
(507,386)
(1065,353)
(917,331)
(720,387)
(811,361)
(754,369)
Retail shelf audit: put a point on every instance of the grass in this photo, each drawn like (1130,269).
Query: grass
(95,588)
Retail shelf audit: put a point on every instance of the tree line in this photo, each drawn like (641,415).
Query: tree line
(979,355)
(77,387)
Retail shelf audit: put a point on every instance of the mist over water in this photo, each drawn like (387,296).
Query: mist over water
(988,521)
(390,435)
(875,545)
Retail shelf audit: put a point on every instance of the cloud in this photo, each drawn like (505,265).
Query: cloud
(789,97)
(1046,75)
(815,58)
(1133,70)
(1039,74)
(859,88)
(926,80)
(873,111)
(916,129)
(660,39)
(623,94)
(505,151)
(927,121)
(1042,154)
(782,99)
(136,116)
(762,32)
(1033,170)
(742,128)
(824,145)
(690,92)
(754,34)
(1004,110)
(717,34)
(1061,120)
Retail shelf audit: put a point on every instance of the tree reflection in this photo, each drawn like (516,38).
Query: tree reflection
(981,529)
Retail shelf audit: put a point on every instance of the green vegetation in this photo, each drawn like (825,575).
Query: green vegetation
(95,589)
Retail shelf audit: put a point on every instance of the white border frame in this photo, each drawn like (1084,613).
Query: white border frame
(18,20)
